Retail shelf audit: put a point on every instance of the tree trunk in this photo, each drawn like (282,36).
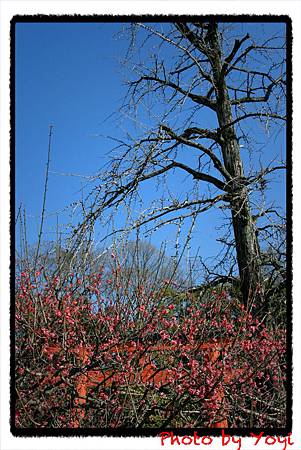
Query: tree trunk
(247,248)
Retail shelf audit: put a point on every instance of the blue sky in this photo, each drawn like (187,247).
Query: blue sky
(67,74)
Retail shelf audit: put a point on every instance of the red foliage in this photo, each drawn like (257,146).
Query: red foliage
(86,358)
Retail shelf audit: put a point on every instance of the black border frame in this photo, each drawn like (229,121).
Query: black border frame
(126,432)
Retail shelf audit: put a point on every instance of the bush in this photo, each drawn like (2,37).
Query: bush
(89,356)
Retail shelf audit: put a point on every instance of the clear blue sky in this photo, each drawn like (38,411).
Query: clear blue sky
(68,75)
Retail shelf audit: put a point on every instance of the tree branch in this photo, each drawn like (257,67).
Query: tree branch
(257,114)
(193,38)
(183,140)
(237,44)
(201,132)
(196,61)
(201,176)
(263,98)
(242,55)
(175,207)
(199,99)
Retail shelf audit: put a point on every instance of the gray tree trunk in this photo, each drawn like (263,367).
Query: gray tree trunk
(247,248)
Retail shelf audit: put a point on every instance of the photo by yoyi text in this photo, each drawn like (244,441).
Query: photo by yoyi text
(280,442)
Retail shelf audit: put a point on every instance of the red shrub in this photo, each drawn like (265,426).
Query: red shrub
(90,359)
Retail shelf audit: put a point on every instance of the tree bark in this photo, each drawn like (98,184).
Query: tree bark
(247,247)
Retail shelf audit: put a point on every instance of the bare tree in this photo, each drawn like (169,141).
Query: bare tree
(200,73)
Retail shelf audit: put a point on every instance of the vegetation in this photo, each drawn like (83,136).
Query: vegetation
(204,85)
(124,336)
(146,356)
